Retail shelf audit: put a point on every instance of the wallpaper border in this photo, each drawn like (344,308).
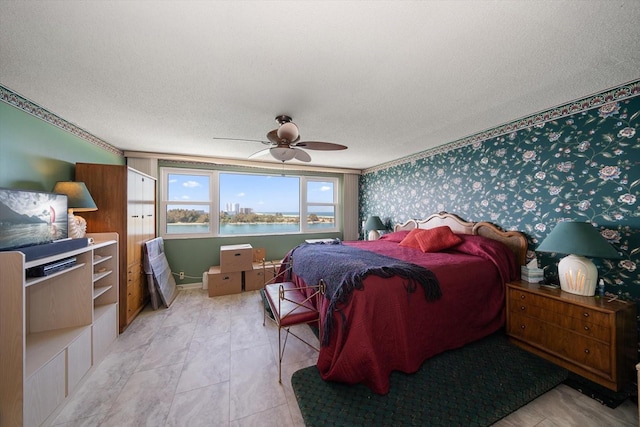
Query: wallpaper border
(622,92)
(628,90)
(10,97)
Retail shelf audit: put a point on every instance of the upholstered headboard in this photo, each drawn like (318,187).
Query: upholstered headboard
(515,240)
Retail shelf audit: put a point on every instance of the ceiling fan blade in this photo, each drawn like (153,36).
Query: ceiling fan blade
(240,139)
(273,136)
(302,155)
(259,153)
(317,145)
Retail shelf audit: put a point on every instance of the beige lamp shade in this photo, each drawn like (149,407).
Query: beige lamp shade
(79,200)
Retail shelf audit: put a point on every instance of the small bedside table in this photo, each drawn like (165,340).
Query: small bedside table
(589,336)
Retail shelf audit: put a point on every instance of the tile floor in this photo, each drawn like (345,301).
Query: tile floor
(210,362)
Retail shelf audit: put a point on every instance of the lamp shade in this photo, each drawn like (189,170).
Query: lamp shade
(80,199)
(374,223)
(577,238)
(288,131)
(282,153)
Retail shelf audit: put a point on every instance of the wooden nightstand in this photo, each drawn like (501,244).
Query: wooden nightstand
(589,336)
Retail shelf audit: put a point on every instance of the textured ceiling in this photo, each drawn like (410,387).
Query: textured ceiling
(387,79)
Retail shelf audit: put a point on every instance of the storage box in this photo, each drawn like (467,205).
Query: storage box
(256,278)
(220,283)
(236,258)
(259,254)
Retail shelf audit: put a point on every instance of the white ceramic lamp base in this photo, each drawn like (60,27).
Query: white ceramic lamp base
(578,275)
(373,235)
(77,226)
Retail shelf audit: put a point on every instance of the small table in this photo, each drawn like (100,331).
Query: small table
(592,337)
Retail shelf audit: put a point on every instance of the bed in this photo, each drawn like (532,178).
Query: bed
(392,316)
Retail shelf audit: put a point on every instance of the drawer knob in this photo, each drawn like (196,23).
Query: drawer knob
(522,326)
(586,350)
(585,314)
(523,296)
(586,328)
(522,307)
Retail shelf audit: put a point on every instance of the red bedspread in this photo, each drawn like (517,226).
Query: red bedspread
(387,329)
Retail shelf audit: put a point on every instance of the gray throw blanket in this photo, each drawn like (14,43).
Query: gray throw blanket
(343,269)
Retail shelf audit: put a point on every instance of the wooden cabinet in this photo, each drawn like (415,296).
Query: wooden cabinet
(126,200)
(590,336)
(54,328)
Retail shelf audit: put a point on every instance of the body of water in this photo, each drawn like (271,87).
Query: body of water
(238,229)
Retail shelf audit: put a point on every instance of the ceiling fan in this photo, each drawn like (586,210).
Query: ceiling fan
(284,143)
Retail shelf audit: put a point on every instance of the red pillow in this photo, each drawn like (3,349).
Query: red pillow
(396,236)
(437,239)
(410,240)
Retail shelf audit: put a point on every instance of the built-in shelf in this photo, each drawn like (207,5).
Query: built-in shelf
(54,327)
(99,290)
(99,275)
(30,281)
(97,259)
(44,346)
(100,311)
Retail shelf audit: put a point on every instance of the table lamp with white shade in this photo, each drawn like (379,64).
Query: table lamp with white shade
(80,200)
(579,240)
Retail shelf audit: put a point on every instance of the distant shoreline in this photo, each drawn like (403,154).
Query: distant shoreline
(322,220)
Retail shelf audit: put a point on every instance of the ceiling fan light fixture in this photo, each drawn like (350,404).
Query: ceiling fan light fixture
(288,131)
(282,153)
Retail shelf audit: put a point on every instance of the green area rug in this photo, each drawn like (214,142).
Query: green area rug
(475,385)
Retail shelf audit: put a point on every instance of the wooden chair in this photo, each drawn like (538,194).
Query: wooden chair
(290,307)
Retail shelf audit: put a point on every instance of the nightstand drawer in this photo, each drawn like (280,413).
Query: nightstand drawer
(561,342)
(542,303)
(582,325)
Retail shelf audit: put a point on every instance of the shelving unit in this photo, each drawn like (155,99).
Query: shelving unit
(127,200)
(54,328)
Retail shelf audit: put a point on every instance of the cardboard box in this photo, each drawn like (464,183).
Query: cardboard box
(256,278)
(236,258)
(220,283)
(259,254)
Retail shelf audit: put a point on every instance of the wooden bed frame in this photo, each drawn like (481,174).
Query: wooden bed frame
(515,240)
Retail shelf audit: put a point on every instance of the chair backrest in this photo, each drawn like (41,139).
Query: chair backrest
(281,271)
(296,297)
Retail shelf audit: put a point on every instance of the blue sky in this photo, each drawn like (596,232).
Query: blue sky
(262,193)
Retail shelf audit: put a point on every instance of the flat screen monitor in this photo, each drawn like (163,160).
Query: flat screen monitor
(29,218)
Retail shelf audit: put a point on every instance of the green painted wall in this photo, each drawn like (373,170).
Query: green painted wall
(195,256)
(35,154)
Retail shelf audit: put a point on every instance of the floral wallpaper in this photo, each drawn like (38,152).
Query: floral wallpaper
(582,165)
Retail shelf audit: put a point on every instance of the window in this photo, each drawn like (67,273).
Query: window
(186,209)
(259,204)
(321,205)
(216,203)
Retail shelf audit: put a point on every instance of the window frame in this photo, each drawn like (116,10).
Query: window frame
(305,205)
(214,202)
